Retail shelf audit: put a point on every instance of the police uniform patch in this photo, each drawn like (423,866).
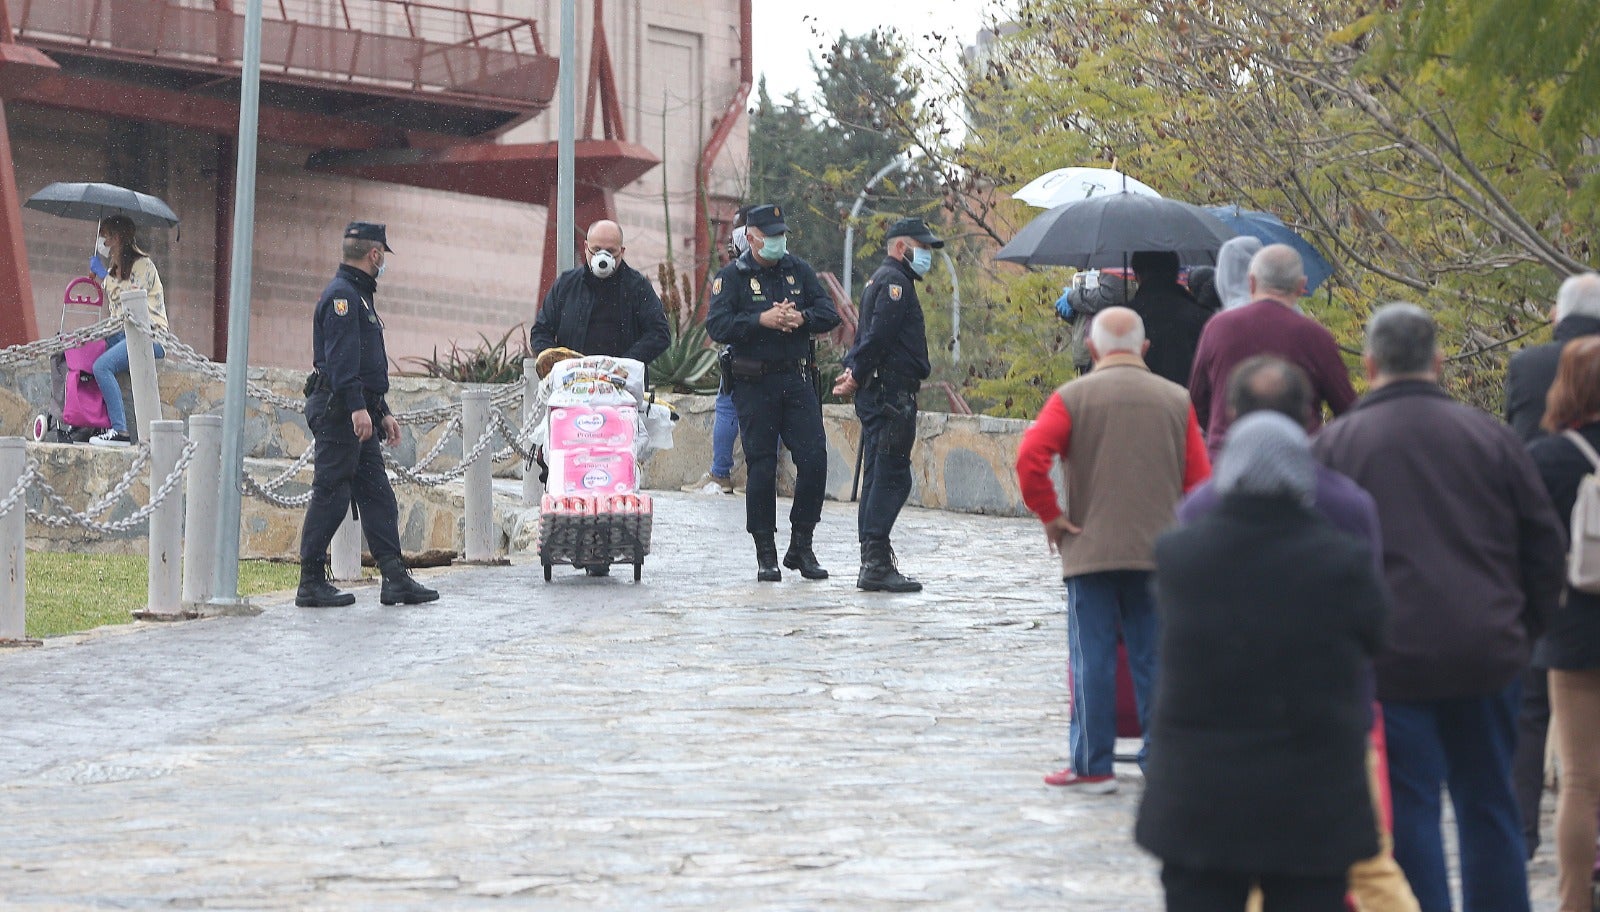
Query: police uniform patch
(894,292)
(778,213)
(341,306)
(716,285)
(755,286)
(791,279)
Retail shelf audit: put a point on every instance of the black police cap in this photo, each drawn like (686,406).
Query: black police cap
(369,231)
(916,229)
(767,219)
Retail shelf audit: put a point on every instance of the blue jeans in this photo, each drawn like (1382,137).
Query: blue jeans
(1097,605)
(1465,745)
(724,431)
(112,362)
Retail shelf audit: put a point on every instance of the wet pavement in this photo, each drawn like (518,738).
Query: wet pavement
(695,741)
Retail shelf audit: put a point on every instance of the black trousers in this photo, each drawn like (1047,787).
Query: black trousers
(346,469)
(1189,890)
(888,430)
(781,406)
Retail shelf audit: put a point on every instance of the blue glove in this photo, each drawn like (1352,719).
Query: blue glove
(1064,305)
(97,267)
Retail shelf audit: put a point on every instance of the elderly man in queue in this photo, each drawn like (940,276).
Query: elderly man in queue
(1474,556)
(603,307)
(1130,447)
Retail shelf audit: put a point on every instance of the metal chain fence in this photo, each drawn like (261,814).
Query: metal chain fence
(69,517)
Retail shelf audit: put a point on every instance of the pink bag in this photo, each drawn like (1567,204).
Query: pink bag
(83,405)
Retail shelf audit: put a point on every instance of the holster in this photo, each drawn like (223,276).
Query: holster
(725,370)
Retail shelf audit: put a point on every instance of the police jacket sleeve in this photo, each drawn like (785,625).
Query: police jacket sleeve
(882,314)
(341,348)
(651,335)
(726,321)
(545,326)
(817,306)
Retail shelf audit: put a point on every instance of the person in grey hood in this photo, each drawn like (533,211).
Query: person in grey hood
(1233,271)
(1269,619)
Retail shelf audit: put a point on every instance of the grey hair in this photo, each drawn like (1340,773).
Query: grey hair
(1267,454)
(1402,339)
(1105,342)
(1579,296)
(356,249)
(1278,268)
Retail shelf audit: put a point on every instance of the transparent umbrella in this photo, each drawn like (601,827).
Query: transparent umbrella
(1066,185)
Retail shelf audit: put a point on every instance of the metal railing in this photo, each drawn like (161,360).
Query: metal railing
(393,43)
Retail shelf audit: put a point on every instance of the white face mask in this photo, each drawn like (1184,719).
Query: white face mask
(602,263)
(102,248)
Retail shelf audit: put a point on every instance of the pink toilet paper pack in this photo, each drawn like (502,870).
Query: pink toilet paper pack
(592,472)
(593,427)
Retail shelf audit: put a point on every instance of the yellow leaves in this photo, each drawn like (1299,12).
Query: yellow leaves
(1356,30)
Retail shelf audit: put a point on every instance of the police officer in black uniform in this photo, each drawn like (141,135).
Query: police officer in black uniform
(348,416)
(885,369)
(766,305)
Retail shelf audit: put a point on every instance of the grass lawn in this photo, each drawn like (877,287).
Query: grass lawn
(72,592)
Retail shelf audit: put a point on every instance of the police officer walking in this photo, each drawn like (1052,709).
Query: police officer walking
(348,416)
(765,305)
(885,369)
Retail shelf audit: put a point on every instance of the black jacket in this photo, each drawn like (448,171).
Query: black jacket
(1572,641)
(1269,617)
(564,316)
(347,340)
(892,334)
(1533,370)
(1472,549)
(1172,324)
(744,289)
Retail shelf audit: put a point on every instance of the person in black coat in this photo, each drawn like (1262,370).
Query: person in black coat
(604,307)
(1528,379)
(1570,647)
(1269,619)
(1172,320)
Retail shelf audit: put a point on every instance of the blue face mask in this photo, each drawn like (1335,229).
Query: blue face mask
(773,248)
(921,260)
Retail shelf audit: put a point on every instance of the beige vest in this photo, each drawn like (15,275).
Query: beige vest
(1124,466)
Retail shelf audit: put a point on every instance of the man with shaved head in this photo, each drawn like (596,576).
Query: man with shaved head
(1271,324)
(604,307)
(1130,447)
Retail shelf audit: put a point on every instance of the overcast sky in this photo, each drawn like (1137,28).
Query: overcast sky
(784,38)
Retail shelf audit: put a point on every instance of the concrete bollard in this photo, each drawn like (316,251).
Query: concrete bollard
(166,525)
(200,510)
(479,477)
(13,544)
(346,548)
(532,490)
(141,361)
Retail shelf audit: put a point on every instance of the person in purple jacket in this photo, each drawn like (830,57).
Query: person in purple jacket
(1268,384)
(1269,325)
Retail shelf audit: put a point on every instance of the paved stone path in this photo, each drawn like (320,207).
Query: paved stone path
(697,741)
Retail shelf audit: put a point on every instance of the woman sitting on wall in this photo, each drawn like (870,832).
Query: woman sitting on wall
(128,268)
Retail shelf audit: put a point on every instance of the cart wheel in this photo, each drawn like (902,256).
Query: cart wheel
(638,570)
(547,572)
(41,426)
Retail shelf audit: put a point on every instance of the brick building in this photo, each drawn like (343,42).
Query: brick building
(436,117)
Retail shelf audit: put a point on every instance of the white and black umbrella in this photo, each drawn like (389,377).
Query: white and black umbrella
(1106,230)
(93,202)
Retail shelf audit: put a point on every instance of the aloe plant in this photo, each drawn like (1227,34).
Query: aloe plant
(689,365)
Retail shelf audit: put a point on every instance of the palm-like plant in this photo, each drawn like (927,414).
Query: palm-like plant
(689,365)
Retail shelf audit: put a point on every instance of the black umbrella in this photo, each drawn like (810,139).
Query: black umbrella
(93,202)
(1105,229)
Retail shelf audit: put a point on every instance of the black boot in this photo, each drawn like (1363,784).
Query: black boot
(878,572)
(766,558)
(316,592)
(398,586)
(800,556)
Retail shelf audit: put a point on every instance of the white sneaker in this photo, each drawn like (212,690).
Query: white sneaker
(709,484)
(111,438)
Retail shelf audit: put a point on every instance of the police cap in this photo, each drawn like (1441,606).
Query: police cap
(767,219)
(916,229)
(368,231)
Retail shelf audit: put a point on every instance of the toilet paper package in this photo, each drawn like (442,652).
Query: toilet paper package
(592,471)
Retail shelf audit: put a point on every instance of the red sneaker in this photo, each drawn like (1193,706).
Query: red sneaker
(1088,785)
